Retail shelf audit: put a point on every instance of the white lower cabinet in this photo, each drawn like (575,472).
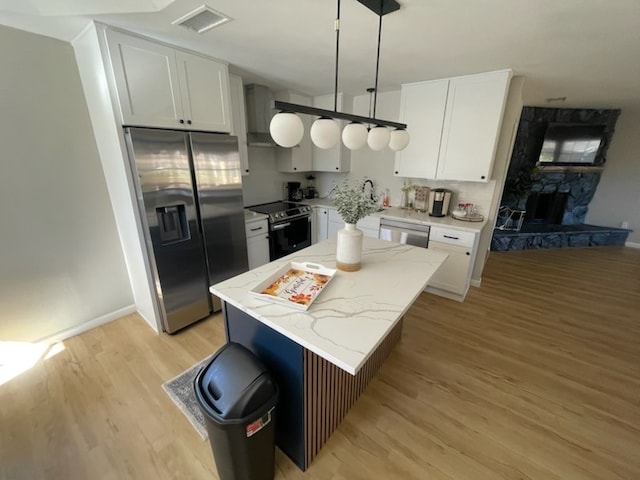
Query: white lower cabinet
(257,243)
(369,225)
(320,224)
(454,276)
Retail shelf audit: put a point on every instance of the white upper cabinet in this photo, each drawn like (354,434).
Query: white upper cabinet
(337,158)
(236,91)
(472,122)
(298,158)
(159,86)
(204,85)
(422,108)
(454,126)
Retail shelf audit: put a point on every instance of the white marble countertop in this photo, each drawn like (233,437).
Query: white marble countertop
(356,310)
(413,216)
(424,218)
(250,217)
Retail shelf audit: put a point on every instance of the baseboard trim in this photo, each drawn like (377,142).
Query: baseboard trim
(476,283)
(632,244)
(88,325)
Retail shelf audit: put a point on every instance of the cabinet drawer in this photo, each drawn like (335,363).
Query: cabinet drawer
(261,227)
(452,237)
(370,222)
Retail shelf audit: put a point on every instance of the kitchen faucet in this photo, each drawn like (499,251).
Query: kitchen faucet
(371,191)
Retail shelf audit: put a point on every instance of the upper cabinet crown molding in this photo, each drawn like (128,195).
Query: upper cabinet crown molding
(161,86)
(454,125)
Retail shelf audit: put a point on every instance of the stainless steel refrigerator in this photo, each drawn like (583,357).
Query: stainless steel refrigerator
(189,189)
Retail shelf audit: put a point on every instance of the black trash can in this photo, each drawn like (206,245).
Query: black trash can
(238,396)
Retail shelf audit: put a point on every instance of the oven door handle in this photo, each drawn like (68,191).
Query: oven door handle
(280,226)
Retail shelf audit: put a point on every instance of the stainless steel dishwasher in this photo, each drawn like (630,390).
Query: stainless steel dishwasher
(404,232)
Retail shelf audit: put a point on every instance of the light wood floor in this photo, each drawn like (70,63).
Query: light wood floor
(535,376)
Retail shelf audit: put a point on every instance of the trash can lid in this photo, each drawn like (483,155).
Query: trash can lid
(235,383)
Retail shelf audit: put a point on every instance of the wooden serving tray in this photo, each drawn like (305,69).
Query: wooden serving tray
(295,285)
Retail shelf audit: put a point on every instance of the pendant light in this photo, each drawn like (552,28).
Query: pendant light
(287,130)
(325,132)
(354,136)
(399,139)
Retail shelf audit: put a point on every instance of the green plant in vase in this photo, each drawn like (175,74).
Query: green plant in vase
(353,202)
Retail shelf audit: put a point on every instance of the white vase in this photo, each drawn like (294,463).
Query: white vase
(349,249)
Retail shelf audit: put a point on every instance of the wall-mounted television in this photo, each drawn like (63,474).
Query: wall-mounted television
(571,144)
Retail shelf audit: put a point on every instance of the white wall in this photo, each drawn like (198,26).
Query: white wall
(108,135)
(61,260)
(617,197)
(264,183)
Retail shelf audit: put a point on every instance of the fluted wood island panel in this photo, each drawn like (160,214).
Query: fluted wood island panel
(323,358)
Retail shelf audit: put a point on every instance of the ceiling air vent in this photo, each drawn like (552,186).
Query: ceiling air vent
(202,19)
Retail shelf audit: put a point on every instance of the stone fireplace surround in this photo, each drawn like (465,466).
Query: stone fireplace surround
(575,186)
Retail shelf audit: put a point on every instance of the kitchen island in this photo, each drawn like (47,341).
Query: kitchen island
(323,358)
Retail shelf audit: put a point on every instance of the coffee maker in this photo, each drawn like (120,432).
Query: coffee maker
(293,191)
(439,199)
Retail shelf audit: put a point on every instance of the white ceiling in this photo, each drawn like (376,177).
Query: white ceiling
(585,50)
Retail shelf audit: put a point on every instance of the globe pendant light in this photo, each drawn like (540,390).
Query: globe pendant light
(286,129)
(399,139)
(354,136)
(378,138)
(325,132)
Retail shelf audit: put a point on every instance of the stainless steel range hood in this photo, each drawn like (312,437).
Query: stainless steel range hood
(259,101)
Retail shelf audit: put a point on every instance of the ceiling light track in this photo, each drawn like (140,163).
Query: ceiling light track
(319,112)
(287,129)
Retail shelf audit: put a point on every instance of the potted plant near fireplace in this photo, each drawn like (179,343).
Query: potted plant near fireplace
(353,202)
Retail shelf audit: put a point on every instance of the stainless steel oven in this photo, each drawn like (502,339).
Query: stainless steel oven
(404,232)
(289,236)
(289,227)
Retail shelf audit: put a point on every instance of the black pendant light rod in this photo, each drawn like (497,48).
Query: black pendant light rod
(375,88)
(319,112)
(335,89)
(380,8)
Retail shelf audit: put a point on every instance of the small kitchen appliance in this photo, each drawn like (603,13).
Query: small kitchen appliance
(294,192)
(439,200)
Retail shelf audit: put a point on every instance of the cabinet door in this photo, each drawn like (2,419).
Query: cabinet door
(146,81)
(471,126)
(205,92)
(453,275)
(298,158)
(337,158)
(257,250)
(335,223)
(422,107)
(321,222)
(236,92)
